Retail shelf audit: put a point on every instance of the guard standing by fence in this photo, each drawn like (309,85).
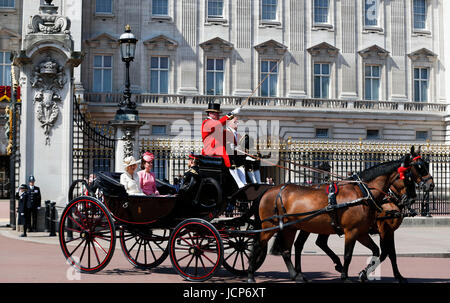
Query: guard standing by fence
(34,198)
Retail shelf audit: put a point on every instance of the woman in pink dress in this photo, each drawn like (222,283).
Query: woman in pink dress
(147,179)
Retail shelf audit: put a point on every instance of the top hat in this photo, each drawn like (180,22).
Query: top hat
(213,107)
(31,178)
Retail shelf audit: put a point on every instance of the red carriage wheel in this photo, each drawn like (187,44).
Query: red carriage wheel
(144,247)
(196,250)
(87,234)
(238,248)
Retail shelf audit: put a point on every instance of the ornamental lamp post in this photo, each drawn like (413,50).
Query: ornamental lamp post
(127,50)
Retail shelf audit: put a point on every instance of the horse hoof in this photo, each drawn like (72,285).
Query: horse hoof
(301,279)
(363,276)
(251,280)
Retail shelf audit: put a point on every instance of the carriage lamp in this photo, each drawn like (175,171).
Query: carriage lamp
(127,50)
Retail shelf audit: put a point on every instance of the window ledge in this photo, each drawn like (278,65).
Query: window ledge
(8,10)
(216,21)
(161,18)
(104,15)
(269,23)
(322,26)
(373,29)
(421,32)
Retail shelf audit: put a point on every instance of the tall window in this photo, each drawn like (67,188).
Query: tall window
(268,9)
(102,74)
(372,82)
(321,8)
(421,79)
(215,8)
(420,14)
(160,7)
(269,73)
(7,3)
(159,75)
(5,68)
(103,6)
(371,13)
(214,76)
(321,80)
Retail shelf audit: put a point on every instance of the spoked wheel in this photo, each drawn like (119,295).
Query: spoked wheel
(238,248)
(144,247)
(87,234)
(196,250)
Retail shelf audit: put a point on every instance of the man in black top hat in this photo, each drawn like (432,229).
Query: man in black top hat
(34,198)
(24,210)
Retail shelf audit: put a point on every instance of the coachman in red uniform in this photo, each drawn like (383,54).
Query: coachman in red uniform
(214,134)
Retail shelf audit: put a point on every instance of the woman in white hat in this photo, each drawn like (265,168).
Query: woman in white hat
(129,178)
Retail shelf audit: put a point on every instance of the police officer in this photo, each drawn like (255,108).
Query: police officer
(24,209)
(34,198)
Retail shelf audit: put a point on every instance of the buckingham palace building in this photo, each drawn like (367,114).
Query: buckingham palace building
(315,74)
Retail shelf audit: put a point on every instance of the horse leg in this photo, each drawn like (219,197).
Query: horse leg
(299,244)
(322,242)
(348,252)
(287,237)
(367,241)
(256,251)
(388,249)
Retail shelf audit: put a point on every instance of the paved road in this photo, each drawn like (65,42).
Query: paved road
(38,258)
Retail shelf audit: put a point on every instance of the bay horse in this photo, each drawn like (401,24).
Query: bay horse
(357,203)
(402,194)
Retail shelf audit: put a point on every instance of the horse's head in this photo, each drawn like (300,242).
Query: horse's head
(403,187)
(419,170)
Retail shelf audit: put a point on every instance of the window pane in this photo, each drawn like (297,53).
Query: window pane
(154,62)
(107,61)
(375,89)
(154,82)
(424,91)
(219,84)
(269,9)
(325,84)
(317,69)
(416,73)
(210,83)
(325,69)
(160,7)
(107,77)
(7,57)
(368,90)
(164,82)
(98,61)
(103,6)
(424,74)
(215,8)
(264,86)
(164,62)
(210,64)
(273,67)
(371,12)
(273,85)
(316,87)
(416,91)
(219,64)
(375,71)
(97,80)
(264,66)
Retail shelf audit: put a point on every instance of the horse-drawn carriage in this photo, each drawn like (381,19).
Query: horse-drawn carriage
(188,226)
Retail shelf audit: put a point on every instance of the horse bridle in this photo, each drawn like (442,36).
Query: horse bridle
(419,164)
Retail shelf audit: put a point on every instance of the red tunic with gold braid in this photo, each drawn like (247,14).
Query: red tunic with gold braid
(213,137)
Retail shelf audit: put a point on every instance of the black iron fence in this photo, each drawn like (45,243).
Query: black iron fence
(340,158)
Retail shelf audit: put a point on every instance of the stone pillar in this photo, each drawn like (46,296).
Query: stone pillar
(127,140)
(46,64)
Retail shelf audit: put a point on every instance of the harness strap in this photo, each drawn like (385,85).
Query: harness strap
(366,191)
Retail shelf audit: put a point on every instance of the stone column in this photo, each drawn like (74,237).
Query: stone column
(46,63)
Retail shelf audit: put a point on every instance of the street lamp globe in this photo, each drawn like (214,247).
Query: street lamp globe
(127,44)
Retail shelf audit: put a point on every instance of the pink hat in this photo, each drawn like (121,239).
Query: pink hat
(148,157)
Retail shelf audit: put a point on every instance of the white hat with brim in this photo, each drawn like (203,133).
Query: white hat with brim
(128,161)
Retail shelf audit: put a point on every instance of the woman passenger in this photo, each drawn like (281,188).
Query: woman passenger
(129,178)
(147,179)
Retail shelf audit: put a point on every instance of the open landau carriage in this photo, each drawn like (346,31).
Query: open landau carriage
(188,226)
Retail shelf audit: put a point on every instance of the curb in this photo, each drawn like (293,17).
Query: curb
(426,222)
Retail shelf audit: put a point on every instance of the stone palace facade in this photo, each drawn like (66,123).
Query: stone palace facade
(338,70)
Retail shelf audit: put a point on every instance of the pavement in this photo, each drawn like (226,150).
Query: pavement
(416,237)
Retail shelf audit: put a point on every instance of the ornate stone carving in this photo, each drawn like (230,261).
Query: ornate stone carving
(128,144)
(48,78)
(49,22)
